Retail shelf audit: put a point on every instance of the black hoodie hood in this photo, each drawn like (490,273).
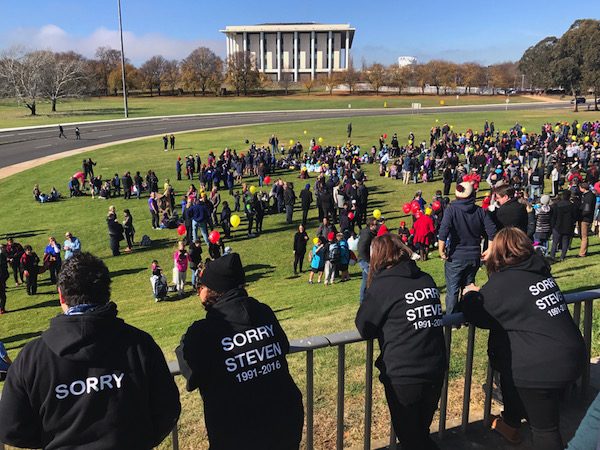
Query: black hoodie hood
(85,337)
(404,269)
(465,204)
(535,264)
(234,307)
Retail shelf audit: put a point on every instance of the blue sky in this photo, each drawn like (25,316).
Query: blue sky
(485,32)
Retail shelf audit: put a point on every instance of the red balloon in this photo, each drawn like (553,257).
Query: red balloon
(351,215)
(181,230)
(267,179)
(597,187)
(406,208)
(385,135)
(404,238)
(382,230)
(415,207)
(436,205)
(214,236)
(411,231)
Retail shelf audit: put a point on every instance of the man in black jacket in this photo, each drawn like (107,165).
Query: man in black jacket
(236,358)
(306,199)
(588,203)
(289,199)
(563,219)
(511,212)
(90,380)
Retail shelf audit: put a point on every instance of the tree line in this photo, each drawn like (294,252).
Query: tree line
(571,63)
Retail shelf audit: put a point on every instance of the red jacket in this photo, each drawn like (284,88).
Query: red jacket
(424,230)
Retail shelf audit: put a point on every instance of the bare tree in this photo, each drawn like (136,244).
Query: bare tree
(152,72)
(199,67)
(331,81)
(64,76)
(351,76)
(216,80)
(242,72)
(286,81)
(398,77)
(309,84)
(22,75)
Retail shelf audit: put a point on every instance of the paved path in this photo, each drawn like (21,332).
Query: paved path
(21,145)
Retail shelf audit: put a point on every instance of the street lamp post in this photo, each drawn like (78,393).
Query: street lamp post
(123,62)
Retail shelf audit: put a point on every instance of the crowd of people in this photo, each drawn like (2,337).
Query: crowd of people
(237,353)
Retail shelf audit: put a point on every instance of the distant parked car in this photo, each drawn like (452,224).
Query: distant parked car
(580,100)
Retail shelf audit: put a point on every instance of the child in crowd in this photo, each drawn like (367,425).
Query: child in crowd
(181,260)
(158,281)
(236,205)
(317,260)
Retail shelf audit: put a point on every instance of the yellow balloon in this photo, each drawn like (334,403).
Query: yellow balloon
(305,131)
(321,140)
(291,142)
(586,139)
(428,211)
(595,144)
(573,138)
(235,221)
(377,214)
(452,127)
(316,241)
(524,130)
(578,126)
(556,128)
(410,142)
(252,190)
(338,153)
(436,120)
(442,102)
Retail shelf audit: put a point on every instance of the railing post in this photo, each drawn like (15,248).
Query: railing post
(468,376)
(577,313)
(444,396)
(340,396)
(487,406)
(309,399)
(174,434)
(587,337)
(368,394)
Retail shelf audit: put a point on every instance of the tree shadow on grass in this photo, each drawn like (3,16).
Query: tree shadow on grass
(259,271)
(22,234)
(118,273)
(20,337)
(156,244)
(46,304)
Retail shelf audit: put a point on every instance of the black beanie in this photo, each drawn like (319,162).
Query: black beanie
(224,273)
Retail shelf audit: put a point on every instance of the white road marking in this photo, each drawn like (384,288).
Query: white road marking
(35,132)
(105,136)
(44,146)
(7,135)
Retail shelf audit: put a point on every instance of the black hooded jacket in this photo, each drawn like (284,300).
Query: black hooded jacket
(236,358)
(402,310)
(532,335)
(91,381)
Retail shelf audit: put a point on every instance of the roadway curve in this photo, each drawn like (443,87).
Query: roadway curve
(28,144)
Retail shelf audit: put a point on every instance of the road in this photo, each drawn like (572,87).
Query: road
(17,146)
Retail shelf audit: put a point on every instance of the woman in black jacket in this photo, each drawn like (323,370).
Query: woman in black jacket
(402,310)
(236,358)
(300,240)
(128,229)
(533,342)
(115,233)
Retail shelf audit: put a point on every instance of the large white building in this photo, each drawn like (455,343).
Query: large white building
(404,61)
(301,49)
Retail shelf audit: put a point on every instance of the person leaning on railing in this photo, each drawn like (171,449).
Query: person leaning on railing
(236,358)
(402,310)
(534,343)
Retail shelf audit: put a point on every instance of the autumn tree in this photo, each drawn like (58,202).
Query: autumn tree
(350,77)
(199,69)
(421,76)
(171,74)
(376,76)
(309,84)
(107,60)
(133,80)
(331,81)
(242,72)
(502,75)
(398,77)
(473,75)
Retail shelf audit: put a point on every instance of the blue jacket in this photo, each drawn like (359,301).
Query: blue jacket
(465,224)
(199,213)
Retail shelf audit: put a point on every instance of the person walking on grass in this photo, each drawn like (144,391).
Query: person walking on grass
(4,276)
(154,212)
(90,380)
(413,357)
(236,358)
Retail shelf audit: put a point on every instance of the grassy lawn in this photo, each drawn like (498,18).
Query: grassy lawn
(102,108)
(303,309)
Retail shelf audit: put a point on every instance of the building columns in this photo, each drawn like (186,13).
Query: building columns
(329,51)
(279,56)
(262,51)
(245,46)
(347,50)
(296,56)
(312,55)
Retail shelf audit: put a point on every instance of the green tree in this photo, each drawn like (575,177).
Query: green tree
(534,63)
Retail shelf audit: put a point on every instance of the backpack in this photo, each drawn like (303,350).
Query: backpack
(334,253)
(160,287)
(146,241)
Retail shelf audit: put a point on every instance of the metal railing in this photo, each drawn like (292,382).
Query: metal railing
(341,340)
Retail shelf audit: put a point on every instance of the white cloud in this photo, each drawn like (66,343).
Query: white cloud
(138,48)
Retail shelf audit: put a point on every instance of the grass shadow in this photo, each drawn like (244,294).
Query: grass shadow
(46,304)
(21,336)
(23,234)
(119,273)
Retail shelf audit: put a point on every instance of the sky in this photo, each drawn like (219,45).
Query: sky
(485,32)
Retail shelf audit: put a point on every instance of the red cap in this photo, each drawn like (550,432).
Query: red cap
(402,223)
(330,236)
